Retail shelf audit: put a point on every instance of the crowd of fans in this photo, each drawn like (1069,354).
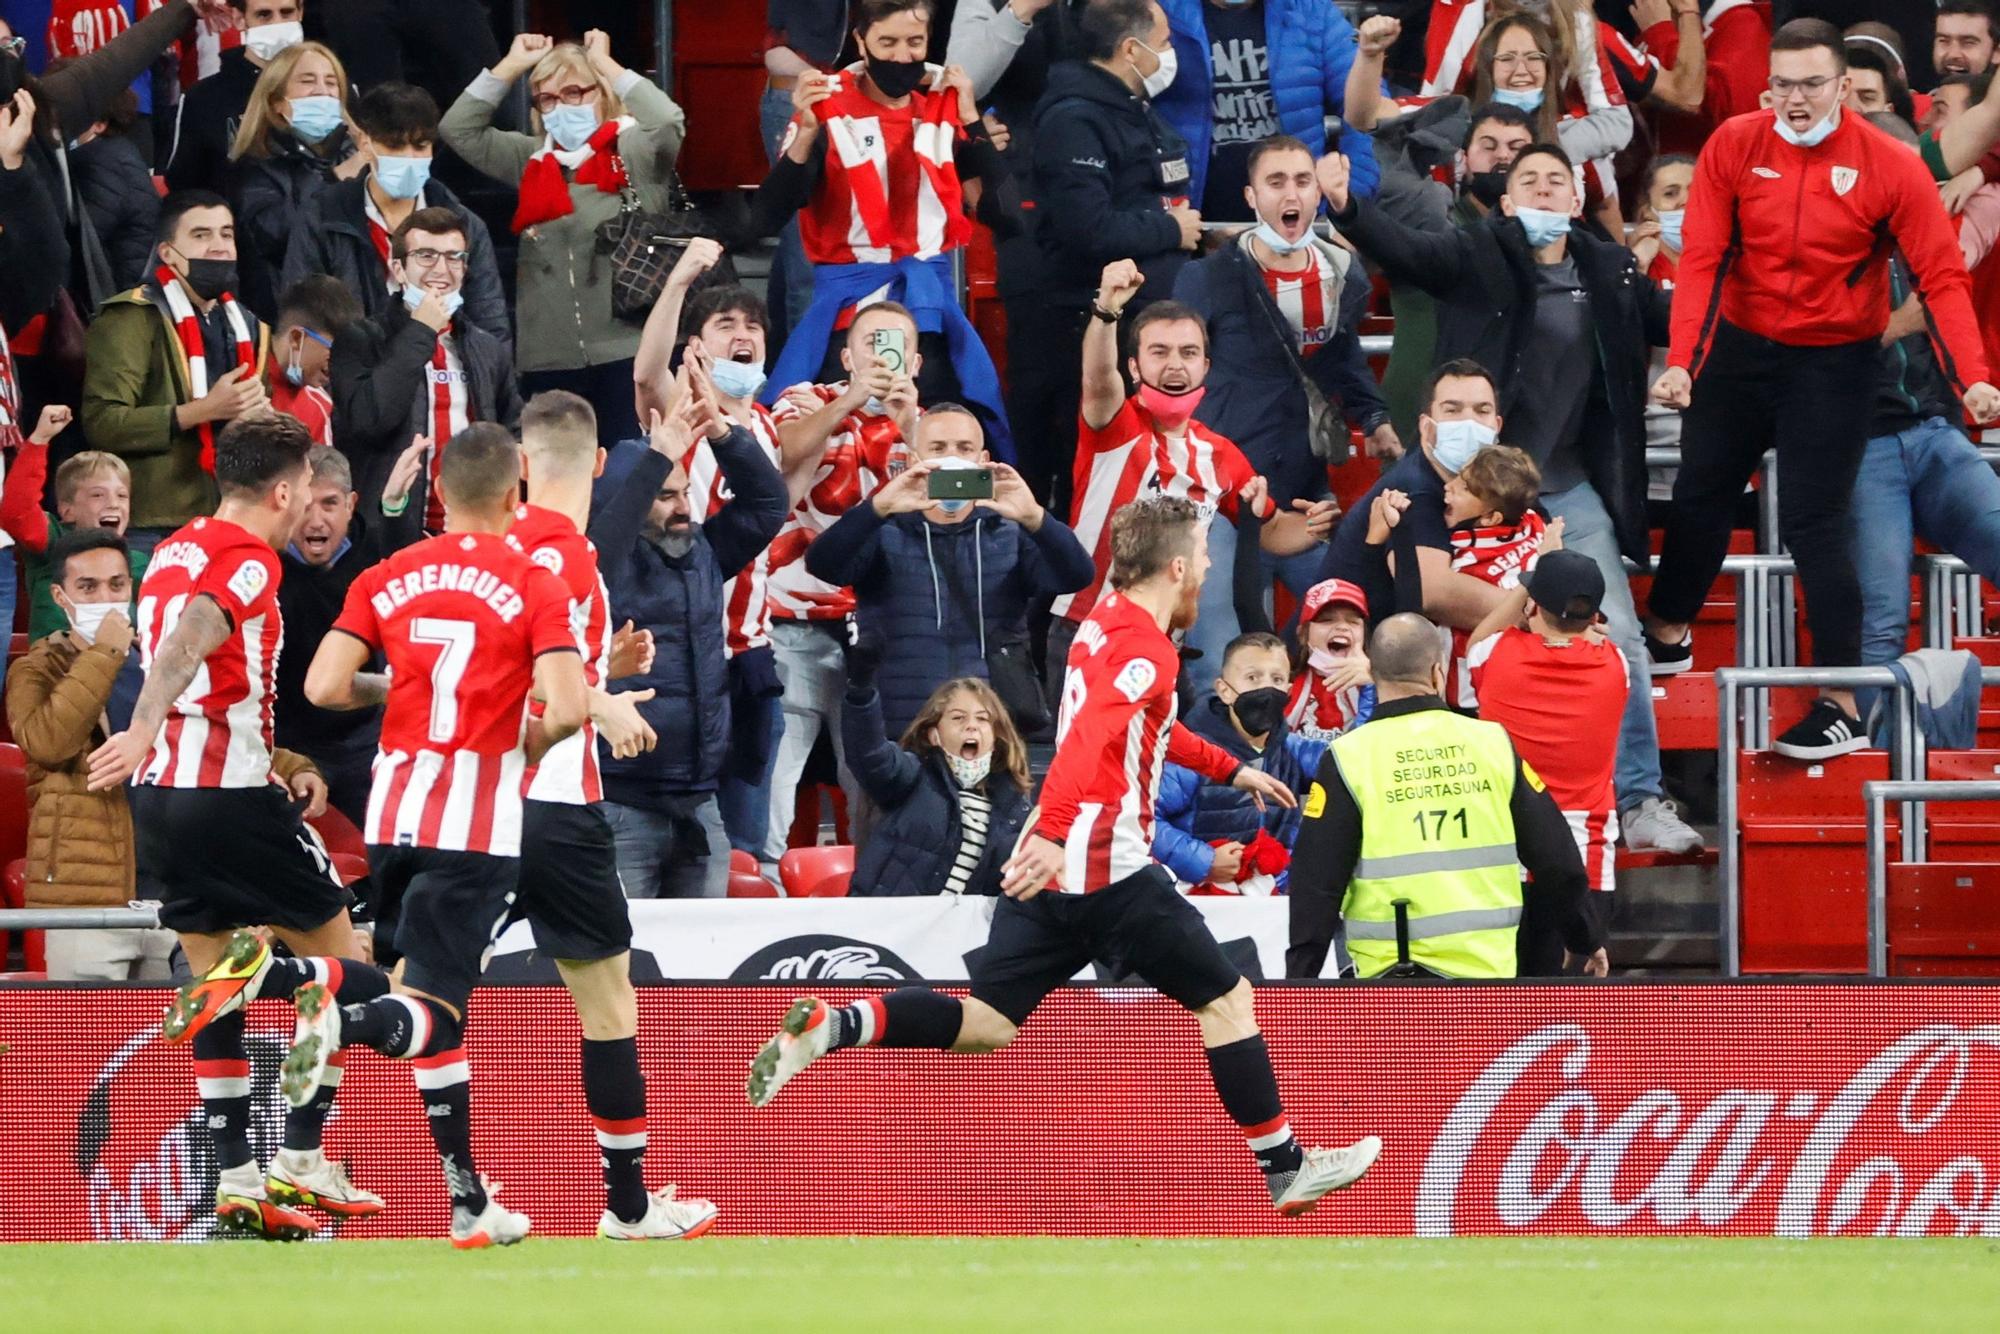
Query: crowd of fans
(1195,206)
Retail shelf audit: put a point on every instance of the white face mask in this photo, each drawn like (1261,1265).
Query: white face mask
(1810,137)
(266,42)
(969,773)
(87,618)
(1162,78)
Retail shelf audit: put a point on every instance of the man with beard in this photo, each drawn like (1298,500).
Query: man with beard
(1964,40)
(1089,847)
(667,574)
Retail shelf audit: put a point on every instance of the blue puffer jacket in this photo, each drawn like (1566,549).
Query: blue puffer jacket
(1312,46)
(1194,814)
(916,582)
(915,838)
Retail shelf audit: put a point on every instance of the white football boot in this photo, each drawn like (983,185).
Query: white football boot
(1324,1171)
(308,1179)
(495,1225)
(805,1036)
(666,1219)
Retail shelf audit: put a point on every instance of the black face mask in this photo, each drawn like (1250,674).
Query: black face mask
(896,78)
(1259,710)
(210,278)
(1487,186)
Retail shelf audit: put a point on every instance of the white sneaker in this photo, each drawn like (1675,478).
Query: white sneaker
(805,1036)
(307,1179)
(1656,823)
(314,1041)
(242,1206)
(495,1225)
(667,1219)
(1324,1171)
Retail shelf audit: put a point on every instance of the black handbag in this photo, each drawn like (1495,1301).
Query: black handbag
(644,246)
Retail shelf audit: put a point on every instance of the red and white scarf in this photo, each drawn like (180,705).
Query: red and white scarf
(188,326)
(544,192)
(11,434)
(451,411)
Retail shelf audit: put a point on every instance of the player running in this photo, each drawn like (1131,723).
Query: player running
(468,625)
(570,892)
(215,823)
(1111,902)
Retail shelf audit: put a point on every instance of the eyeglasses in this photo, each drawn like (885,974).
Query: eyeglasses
(430,259)
(573,96)
(1784,88)
(15,45)
(1532,59)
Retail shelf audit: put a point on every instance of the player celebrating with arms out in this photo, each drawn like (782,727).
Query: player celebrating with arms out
(1109,900)
(468,625)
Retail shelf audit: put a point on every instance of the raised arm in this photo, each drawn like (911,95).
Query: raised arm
(1362,97)
(986,35)
(1103,385)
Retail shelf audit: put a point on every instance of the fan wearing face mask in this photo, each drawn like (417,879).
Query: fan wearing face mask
(347,230)
(598,132)
(211,111)
(1568,357)
(421,370)
(1215,836)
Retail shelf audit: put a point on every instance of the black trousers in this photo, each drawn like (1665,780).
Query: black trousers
(1814,404)
(1044,391)
(438,44)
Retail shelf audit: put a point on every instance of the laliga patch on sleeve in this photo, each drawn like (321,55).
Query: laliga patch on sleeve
(1534,779)
(249,581)
(1135,678)
(1315,805)
(549,559)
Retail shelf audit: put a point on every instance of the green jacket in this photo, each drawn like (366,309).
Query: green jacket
(135,375)
(563,309)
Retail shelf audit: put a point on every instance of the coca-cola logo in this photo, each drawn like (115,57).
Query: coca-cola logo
(1902,1148)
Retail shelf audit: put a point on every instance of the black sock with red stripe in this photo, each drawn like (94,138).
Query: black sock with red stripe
(222,1076)
(615,1091)
(350,980)
(394,1025)
(911,1017)
(1249,1091)
(444,1078)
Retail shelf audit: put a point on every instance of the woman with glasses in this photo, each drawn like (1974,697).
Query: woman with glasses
(294,141)
(600,133)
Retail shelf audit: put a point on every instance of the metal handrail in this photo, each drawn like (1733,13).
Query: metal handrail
(1907,792)
(77,919)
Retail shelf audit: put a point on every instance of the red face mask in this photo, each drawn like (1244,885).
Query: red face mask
(1170,411)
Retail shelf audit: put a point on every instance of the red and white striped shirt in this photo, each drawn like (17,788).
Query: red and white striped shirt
(1116,731)
(448,410)
(1128,457)
(461,619)
(746,595)
(889,189)
(863,453)
(1562,706)
(79,27)
(1498,556)
(568,773)
(1309,300)
(218,733)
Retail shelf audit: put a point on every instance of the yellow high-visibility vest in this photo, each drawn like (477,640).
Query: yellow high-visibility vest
(1433,789)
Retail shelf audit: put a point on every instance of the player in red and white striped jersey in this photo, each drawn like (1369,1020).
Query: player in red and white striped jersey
(216,826)
(468,625)
(1090,844)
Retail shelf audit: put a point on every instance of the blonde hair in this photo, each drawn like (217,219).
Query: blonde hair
(559,432)
(568,57)
(1010,753)
(253,136)
(80,468)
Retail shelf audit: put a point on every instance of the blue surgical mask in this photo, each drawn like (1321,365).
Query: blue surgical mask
(1817,134)
(402,177)
(1457,441)
(1526,99)
(571,127)
(1670,227)
(1275,240)
(413,296)
(314,118)
(1542,225)
(736,379)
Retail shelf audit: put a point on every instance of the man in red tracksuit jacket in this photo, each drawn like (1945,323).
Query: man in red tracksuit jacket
(1783,297)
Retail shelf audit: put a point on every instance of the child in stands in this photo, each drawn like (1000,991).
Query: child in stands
(1495,529)
(1330,689)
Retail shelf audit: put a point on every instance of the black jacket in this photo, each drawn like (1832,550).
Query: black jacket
(915,837)
(117,190)
(272,197)
(679,598)
(1483,277)
(380,381)
(33,254)
(335,240)
(1105,165)
(210,115)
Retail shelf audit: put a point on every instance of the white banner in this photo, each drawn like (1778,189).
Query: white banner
(857,940)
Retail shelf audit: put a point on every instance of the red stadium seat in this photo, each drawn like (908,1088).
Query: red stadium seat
(739,860)
(1963,831)
(1944,919)
(350,867)
(750,885)
(813,872)
(1804,864)
(1685,711)
(340,835)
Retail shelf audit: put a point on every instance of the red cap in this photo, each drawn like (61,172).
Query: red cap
(1332,593)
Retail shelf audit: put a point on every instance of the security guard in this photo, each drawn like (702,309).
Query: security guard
(1425,805)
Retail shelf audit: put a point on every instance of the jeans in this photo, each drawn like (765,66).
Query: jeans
(1215,624)
(746,806)
(607,388)
(1587,528)
(1929,482)
(654,861)
(810,665)
(10,592)
(791,275)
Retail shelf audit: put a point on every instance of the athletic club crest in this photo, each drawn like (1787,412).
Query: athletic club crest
(1844,179)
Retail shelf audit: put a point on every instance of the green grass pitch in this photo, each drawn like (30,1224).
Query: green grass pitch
(880,1284)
